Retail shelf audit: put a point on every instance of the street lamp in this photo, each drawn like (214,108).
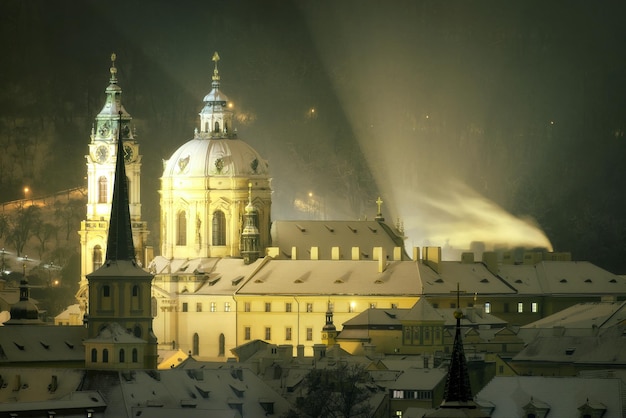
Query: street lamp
(26,190)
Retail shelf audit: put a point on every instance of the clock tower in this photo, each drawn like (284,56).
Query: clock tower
(112,123)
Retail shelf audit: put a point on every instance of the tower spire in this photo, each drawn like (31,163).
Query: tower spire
(457,397)
(250,235)
(120,240)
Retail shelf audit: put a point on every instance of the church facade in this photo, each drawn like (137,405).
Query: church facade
(227,274)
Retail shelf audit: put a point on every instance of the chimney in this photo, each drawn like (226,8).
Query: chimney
(319,351)
(432,258)
(335,255)
(300,350)
(467,258)
(315,253)
(416,253)
(285,352)
(381,256)
(356,253)
(294,253)
(490,260)
(397,253)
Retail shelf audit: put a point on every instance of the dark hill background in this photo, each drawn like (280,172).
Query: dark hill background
(529,100)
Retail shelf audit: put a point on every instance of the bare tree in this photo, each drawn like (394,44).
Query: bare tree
(43,231)
(68,213)
(22,225)
(334,393)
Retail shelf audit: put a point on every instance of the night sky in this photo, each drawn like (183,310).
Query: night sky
(499,122)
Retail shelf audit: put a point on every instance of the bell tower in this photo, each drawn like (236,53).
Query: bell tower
(119,324)
(112,122)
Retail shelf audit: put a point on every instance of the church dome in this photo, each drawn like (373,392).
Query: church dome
(204,157)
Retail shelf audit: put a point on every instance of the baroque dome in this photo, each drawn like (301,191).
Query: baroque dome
(215,157)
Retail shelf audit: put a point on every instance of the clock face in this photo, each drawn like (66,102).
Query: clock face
(102,153)
(128,153)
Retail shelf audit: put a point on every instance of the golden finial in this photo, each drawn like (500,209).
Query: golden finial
(458,313)
(250,193)
(113,69)
(216,58)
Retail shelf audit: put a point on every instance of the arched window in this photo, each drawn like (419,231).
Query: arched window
(94,355)
(135,300)
(222,345)
(102,189)
(219,228)
(196,344)
(105,355)
(217,126)
(206,127)
(181,228)
(106,291)
(135,356)
(97,257)
(122,355)
(137,331)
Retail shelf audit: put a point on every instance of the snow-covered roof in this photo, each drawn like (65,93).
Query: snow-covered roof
(324,235)
(606,347)
(333,277)
(564,395)
(419,379)
(42,343)
(472,278)
(562,277)
(584,315)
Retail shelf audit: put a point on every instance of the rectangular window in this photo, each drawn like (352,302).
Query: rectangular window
(246,307)
(288,333)
(288,307)
(309,307)
(398,394)
(268,333)
(487,307)
(268,307)
(453,305)
(520,307)
(185,307)
(213,307)
(106,291)
(309,334)
(534,307)
(505,307)
(351,307)
(246,333)
(199,307)
(226,306)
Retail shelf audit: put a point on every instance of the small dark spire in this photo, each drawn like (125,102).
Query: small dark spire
(457,390)
(120,242)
